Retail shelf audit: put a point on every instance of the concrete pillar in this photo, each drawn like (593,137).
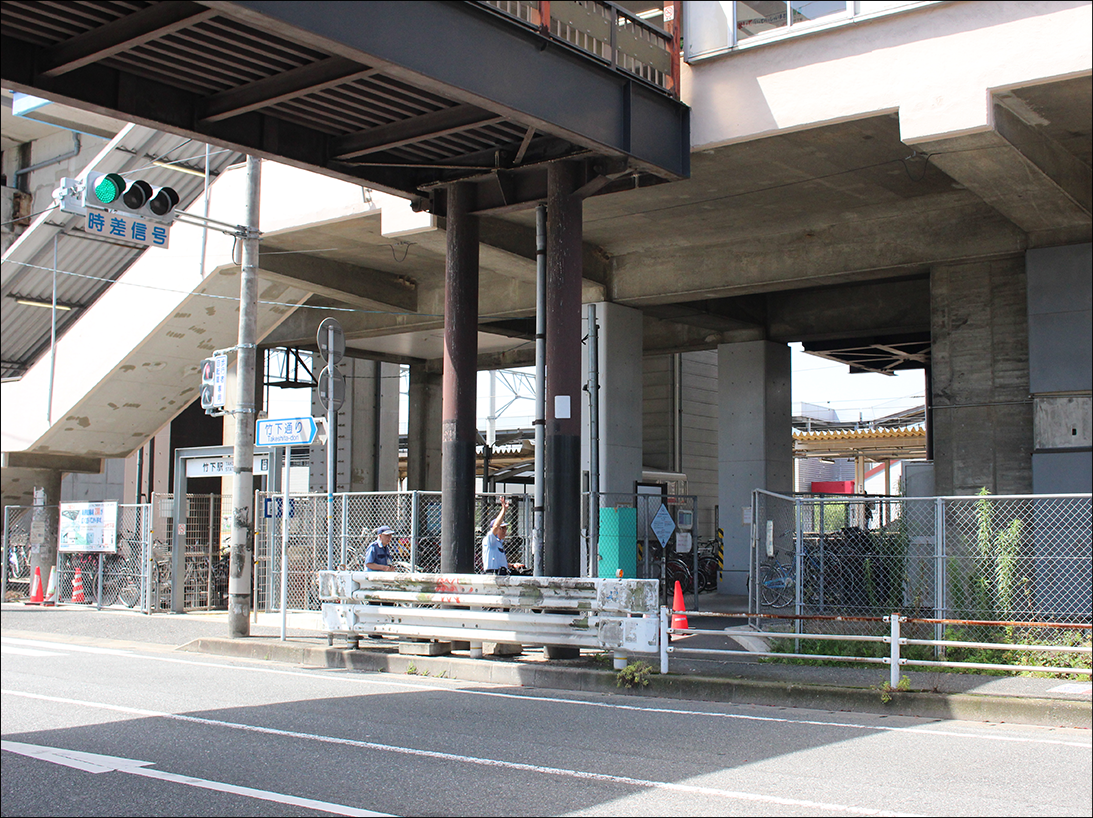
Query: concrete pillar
(562,519)
(620,435)
(754,441)
(423,430)
(459,383)
(45,524)
(372,407)
(620,363)
(980,405)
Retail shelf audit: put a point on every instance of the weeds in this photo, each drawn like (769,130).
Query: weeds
(635,673)
(886,688)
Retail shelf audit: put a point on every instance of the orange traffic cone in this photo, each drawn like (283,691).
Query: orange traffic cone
(77,586)
(36,588)
(679,618)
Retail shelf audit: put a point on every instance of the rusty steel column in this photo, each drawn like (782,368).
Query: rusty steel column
(459,383)
(562,507)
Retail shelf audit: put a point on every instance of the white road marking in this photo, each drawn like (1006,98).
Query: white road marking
(68,647)
(668,786)
(95,763)
(445,685)
(29,651)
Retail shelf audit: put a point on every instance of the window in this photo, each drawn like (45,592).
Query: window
(715,26)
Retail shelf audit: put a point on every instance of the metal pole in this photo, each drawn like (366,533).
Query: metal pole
(893,675)
(205,227)
(284,549)
(331,451)
(540,387)
(415,511)
(593,444)
(52,336)
(242,548)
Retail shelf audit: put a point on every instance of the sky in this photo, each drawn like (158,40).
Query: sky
(866,396)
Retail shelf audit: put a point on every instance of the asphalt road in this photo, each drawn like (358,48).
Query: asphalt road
(201,735)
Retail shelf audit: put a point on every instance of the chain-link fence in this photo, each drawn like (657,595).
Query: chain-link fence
(415,545)
(139,572)
(81,577)
(967,569)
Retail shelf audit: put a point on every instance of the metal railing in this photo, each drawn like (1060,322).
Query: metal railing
(1073,658)
(611,614)
(607,32)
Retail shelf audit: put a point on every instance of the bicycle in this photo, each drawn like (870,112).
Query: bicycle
(776,583)
(708,569)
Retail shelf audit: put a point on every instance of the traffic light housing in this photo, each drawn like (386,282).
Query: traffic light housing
(212,387)
(113,192)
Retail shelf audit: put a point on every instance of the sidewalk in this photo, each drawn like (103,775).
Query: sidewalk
(1057,701)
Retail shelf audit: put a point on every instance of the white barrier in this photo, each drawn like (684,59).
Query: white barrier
(620,615)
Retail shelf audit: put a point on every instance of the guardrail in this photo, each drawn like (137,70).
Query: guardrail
(894,639)
(619,615)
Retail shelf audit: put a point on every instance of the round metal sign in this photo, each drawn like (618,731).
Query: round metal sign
(331,340)
(325,391)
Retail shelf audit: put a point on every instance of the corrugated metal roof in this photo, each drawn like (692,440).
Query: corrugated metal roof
(86,264)
(861,434)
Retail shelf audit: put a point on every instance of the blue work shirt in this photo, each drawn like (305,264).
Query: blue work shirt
(378,554)
(493,553)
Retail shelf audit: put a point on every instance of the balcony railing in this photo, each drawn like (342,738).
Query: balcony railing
(607,32)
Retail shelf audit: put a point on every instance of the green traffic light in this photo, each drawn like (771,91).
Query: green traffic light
(109,188)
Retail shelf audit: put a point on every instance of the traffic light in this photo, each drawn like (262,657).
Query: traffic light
(213,371)
(113,192)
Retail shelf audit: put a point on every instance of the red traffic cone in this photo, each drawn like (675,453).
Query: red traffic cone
(77,586)
(36,588)
(679,619)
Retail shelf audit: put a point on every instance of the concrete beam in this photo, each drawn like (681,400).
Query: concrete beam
(69,463)
(1020,172)
(854,250)
(358,286)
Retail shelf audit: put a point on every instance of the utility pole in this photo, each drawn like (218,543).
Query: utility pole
(242,546)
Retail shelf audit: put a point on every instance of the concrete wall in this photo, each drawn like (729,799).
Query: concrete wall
(33,192)
(90,488)
(1060,319)
(935,67)
(980,405)
(699,429)
(679,425)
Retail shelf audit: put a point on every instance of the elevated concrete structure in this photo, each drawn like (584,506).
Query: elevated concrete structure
(915,183)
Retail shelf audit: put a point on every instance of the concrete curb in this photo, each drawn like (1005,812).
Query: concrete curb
(921,704)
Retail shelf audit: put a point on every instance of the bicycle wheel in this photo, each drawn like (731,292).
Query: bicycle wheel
(707,573)
(677,571)
(129,594)
(775,586)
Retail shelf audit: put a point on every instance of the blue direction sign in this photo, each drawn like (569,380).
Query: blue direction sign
(286,432)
